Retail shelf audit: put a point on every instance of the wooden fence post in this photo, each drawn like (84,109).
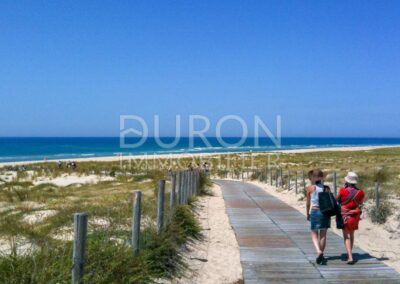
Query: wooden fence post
(334,183)
(304,182)
(270,176)
(191,191)
(194,183)
(377,199)
(173,191)
(288,186)
(137,211)
(187,187)
(198,182)
(183,187)
(188,193)
(295,184)
(276,177)
(265,175)
(187,183)
(281,173)
(180,187)
(160,206)
(78,256)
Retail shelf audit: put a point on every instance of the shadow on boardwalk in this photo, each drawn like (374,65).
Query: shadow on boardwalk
(275,244)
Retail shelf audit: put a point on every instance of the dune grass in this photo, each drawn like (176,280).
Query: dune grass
(40,251)
(381,165)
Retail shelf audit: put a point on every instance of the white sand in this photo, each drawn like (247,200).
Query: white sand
(334,149)
(64,233)
(378,240)
(21,245)
(193,155)
(66,180)
(215,259)
(8,176)
(38,216)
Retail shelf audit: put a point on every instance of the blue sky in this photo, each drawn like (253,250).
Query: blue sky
(329,68)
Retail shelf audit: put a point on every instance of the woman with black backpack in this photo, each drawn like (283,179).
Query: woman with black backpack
(319,222)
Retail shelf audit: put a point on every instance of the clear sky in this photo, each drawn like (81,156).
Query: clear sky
(329,68)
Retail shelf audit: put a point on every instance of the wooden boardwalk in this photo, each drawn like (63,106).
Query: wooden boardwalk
(275,243)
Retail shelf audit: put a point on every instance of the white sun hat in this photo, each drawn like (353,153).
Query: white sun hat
(351,178)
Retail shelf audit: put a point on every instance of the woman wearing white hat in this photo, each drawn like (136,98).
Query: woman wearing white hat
(351,198)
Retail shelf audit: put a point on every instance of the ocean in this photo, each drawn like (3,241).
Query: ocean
(52,148)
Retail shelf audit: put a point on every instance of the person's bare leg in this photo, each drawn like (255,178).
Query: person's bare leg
(352,239)
(322,240)
(347,244)
(315,240)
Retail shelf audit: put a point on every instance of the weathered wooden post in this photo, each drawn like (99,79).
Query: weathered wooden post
(183,187)
(276,177)
(281,173)
(191,183)
(304,182)
(198,182)
(377,200)
(334,183)
(194,183)
(270,176)
(137,208)
(160,206)
(288,184)
(186,185)
(173,191)
(188,192)
(180,187)
(78,256)
(266,176)
(295,184)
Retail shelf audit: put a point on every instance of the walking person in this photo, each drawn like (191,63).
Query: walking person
(319,222)
(351,199)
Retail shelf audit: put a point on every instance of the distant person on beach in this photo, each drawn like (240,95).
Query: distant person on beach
(206,167)
(319,222)
(351,199)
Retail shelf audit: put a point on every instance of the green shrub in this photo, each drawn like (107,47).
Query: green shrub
(380,214)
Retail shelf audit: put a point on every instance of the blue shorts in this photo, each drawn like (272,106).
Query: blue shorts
(318,220)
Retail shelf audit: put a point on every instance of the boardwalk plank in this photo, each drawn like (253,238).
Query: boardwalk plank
(275,245)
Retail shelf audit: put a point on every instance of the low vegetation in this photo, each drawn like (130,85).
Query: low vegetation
(36,217)
(36,227)
(373,166)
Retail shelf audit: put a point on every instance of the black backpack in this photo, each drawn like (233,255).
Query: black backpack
(327,203)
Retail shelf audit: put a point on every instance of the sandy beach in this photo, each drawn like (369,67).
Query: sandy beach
(195,155)
(215,258)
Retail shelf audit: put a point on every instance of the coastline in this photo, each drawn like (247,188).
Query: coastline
(204,154)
